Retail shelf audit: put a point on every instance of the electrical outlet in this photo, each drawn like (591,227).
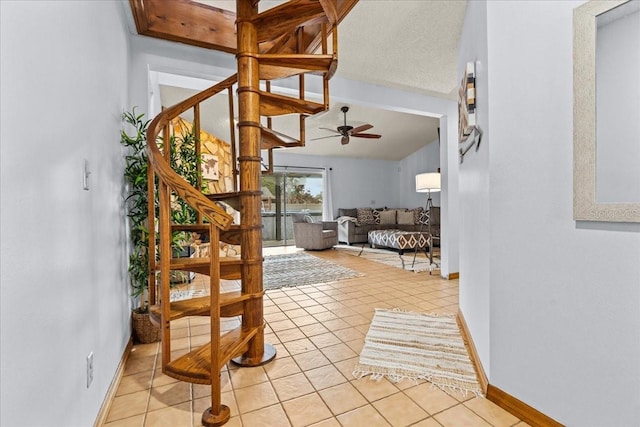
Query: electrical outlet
(89,369)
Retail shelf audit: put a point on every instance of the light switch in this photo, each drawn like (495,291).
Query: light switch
(85,174)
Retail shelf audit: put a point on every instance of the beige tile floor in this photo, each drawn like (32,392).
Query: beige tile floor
(318,332)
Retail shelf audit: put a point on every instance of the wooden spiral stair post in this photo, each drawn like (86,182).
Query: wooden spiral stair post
(250,192)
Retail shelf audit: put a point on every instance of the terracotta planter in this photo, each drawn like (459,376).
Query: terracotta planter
(144,331)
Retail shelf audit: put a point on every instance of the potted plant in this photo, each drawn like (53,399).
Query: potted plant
(185,162)
(135,175)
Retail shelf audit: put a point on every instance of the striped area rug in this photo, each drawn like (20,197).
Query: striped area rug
(403,344)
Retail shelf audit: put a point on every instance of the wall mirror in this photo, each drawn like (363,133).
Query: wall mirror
(606,111)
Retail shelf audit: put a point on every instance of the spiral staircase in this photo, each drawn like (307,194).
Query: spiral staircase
(287,41)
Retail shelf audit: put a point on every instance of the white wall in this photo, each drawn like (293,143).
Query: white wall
(64,288)
(475,237)
(355,182)
(150,56)
(564,296)
(426,159)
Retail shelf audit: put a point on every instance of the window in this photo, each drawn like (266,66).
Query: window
(289,190)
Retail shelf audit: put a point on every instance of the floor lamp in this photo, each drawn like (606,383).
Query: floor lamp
(427,183)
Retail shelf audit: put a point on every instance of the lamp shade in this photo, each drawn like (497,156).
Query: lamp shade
(426,182)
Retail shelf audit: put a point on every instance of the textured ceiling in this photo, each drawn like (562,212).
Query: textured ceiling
(403,44)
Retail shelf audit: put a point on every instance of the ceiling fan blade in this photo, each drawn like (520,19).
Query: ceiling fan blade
(360,129)
(331,130)
(344,140)
(367,135)
(324,137)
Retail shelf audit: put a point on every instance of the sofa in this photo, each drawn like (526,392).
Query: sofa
(354,224)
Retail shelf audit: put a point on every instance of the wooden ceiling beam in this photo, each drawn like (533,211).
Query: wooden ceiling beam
(187,22)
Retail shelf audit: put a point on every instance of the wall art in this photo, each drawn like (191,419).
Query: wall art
(210,169)
(469,133)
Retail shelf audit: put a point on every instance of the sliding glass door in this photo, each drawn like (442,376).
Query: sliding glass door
(286,191)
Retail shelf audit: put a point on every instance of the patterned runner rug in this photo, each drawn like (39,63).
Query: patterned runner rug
(403,344)
(299,269)
(393,258)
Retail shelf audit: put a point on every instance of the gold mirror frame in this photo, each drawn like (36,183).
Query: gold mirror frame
(585,206)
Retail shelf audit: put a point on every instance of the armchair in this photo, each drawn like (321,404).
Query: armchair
(313,235)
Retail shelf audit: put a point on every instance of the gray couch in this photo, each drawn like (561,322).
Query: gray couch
(354,224)
(311,235)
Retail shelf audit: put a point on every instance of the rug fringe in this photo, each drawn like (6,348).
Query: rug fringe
(447,387)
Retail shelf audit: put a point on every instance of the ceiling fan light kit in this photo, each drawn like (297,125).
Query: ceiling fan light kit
(346,131)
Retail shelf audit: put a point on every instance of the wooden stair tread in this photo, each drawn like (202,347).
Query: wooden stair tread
(232,236)
(223,196)
(285,18)
(277,66)
(232,198)
(186,263)
(271,139)
(230,267)
(195,366)
(199,306)
(272,104)
(198,227)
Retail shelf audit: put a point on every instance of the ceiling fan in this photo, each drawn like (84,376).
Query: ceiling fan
(346,131)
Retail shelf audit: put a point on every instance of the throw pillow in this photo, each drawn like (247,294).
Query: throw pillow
(416,214)
(405,217)
(376,214)
(365,216)
(424,217)
(308,218)
(348,212)
(388,217)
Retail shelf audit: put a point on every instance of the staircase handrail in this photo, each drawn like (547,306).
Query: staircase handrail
(164,171)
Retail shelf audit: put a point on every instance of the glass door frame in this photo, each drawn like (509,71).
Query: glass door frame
(283,231)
